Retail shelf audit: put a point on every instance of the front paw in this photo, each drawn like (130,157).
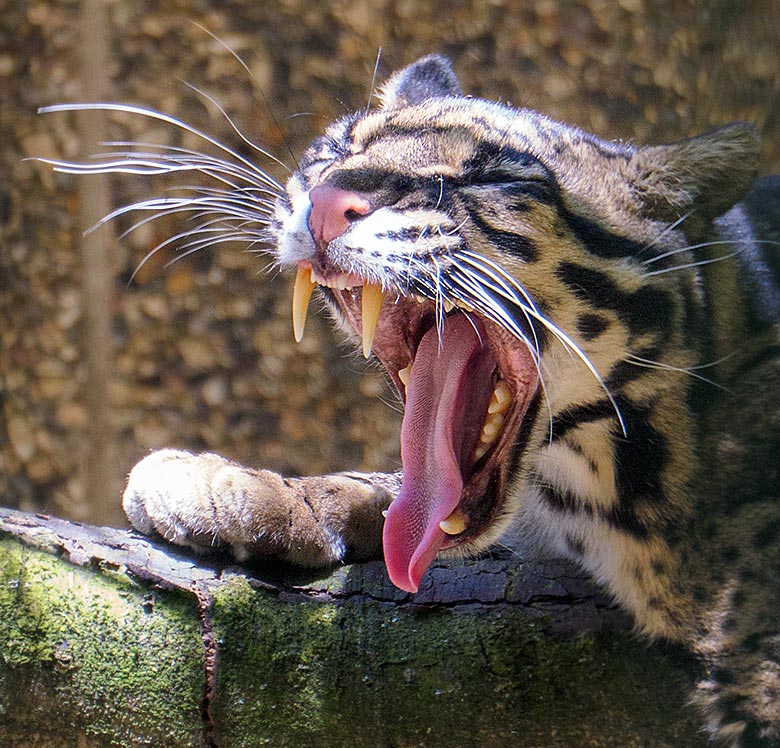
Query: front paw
(205,501)
(169,492)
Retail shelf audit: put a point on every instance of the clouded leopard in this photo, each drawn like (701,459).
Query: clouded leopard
(584,334)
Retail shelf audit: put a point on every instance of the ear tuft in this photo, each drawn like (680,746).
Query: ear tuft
(707,174)
(430,77)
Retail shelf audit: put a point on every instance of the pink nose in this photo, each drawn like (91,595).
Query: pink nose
(332,211)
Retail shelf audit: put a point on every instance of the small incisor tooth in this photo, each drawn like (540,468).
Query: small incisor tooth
(300,304)
(500,400)
(455,524)
(373,296)
(491,427)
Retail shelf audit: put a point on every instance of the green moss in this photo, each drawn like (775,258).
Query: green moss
(126,669)
(311,674)
(124,665)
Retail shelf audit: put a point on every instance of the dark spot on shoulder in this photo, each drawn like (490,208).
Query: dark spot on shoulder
(754,736)
(738,598)
(732,708)
(590,326)
(747,575)
(723,676)
(752,642)
(650,309)
(767,534)
(709,529)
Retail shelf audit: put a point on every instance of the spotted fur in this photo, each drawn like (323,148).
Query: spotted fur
(644,282)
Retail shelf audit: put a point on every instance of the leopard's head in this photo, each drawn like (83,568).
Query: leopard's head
(515,277)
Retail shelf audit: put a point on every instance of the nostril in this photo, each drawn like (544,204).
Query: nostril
(333,210)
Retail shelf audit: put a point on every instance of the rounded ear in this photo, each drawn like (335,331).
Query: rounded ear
(705,175)
(430,77)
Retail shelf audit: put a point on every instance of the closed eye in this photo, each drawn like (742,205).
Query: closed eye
(538,189)
(368,181)
(503,177)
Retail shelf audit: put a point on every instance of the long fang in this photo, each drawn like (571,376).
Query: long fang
(373,296)
(300,304)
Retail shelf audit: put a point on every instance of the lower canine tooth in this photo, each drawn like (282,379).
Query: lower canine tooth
(455,524)
(304,285)
(373,296)
(404,374)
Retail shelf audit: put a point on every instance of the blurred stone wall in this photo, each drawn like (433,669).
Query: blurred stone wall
(204,357)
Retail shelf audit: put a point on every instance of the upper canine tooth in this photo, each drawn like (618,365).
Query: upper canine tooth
(304,285)
(448,306)
(455,524)
(373,296)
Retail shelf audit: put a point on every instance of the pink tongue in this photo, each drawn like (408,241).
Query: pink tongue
(450,380)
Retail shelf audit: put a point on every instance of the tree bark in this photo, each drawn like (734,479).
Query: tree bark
(111,639)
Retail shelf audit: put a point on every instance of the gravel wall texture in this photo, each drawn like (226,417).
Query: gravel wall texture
(201,353)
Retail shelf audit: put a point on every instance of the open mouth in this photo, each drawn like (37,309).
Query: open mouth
(466,384)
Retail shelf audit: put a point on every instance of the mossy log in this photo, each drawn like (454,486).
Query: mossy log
(110,639)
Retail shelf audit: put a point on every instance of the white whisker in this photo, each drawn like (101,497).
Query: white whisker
(236,129)
(648,364)
(671,227)
(688,265)
(153,114)
(702,245)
